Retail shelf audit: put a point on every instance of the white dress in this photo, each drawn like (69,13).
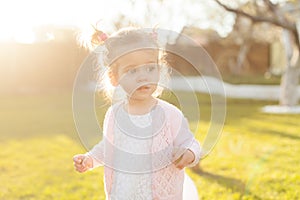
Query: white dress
(126,185)
(137,186)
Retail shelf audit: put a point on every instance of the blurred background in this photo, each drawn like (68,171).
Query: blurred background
(254,44)
(39,40)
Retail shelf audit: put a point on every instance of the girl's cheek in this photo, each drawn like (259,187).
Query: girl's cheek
(127,86)
(155,78)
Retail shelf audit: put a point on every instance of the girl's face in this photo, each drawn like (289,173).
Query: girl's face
(138,73)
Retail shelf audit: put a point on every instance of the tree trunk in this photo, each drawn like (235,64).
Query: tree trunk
(289,84)
(241,65)
(290,78)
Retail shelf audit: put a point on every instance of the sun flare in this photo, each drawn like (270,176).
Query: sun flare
(19,19)
(18,23)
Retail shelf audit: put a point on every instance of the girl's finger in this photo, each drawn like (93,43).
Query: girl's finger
(182,163)
(87,162)
(78,165)
(77,159)
(179,166)
(81,169)
(177,154)
(178,160)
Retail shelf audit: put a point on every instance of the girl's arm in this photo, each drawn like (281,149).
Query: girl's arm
(185,140)
(97,153)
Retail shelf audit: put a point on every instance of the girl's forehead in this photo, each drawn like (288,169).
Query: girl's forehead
(137,58)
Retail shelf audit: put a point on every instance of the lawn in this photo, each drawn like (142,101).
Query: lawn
(257,156)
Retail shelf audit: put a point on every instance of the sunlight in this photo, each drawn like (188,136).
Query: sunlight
(19,19)
(18,22)
(26,37)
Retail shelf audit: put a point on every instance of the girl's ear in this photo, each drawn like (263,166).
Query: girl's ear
(113,77)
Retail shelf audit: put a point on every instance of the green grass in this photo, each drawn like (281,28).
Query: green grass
(257,156)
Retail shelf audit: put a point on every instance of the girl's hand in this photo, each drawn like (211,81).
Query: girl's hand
(82,162)
(187,158)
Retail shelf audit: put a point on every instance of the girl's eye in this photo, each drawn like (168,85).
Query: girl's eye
(150,68)
(132,71)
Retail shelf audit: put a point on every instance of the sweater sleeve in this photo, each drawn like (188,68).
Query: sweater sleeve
(185,139)
(97,153)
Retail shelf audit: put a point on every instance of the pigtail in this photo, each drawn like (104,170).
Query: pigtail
(91,38)
(98,42)
(99,37)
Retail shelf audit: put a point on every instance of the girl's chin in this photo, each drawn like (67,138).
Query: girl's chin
(141,95)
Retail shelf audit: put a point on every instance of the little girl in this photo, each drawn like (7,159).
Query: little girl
(147,142)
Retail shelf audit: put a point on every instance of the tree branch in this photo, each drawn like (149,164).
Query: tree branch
(258,19)
(281,18)
(270,5)
(277,13)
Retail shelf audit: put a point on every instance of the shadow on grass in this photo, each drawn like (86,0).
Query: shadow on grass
(276,133)
(235,185)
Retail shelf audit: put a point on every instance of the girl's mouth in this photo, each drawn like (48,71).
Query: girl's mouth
(144,87)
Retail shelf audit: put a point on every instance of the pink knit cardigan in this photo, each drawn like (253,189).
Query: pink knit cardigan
(167,181)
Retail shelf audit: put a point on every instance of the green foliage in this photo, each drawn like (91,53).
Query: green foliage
(257,156)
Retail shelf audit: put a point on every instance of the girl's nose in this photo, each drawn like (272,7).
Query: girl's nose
(142,76)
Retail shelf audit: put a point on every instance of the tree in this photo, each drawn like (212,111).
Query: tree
(281,15)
